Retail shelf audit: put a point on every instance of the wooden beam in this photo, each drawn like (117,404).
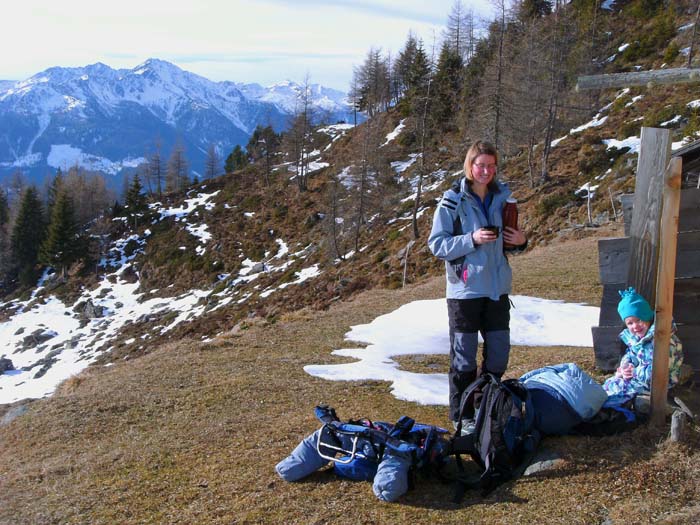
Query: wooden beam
(613,260)
(614,254)
(689,219)
(639,78)
(664,290)
(654,153)
(686,300)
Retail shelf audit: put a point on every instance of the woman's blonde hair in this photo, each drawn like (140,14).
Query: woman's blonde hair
(479,148)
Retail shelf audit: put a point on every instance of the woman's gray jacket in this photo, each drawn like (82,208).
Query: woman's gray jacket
(472,270)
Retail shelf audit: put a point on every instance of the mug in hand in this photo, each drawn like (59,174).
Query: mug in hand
(493,229)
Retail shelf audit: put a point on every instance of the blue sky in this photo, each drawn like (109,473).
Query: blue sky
(263,41)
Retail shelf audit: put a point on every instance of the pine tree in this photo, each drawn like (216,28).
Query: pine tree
(416,77)
(372,82)
(448,79)
(61,247)
(237,160)
(27,235)
(529,9)
(53,191)
(136,206)
(262,145)
(4,225)
(403,63)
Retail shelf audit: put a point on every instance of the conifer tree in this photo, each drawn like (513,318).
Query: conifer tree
(403,63)
(530,9)
(53,191)
(61,247)
(4,225)
(27,235)
(372,83)
(136,206)
(237,160)
(263,145)
(448,79)
(416,75)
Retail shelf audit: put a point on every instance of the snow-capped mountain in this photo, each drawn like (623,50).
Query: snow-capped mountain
(108,120)
(329,104)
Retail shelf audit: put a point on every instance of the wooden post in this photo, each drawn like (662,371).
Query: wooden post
(677,426)
(664,290)
(654,153)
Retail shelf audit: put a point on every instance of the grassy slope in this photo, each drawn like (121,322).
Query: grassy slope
(191,432)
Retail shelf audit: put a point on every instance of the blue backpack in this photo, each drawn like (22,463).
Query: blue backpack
(504,440)
(360,449)
(363,444)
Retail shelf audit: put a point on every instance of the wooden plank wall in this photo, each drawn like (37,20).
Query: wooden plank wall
(613,258)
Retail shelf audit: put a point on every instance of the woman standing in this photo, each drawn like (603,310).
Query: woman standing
(478,274)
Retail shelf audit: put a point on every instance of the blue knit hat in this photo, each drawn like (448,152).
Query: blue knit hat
(634,305)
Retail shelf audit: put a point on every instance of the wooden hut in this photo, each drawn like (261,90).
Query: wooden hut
(618,269)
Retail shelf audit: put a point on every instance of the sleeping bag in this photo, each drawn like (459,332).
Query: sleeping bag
(563,396)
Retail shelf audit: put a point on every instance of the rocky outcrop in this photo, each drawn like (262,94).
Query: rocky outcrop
(36,338)
(5,365)
(44,364)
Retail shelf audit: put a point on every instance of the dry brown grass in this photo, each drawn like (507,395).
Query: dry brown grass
(191,432)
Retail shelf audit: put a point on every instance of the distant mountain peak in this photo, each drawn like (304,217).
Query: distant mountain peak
(108,117)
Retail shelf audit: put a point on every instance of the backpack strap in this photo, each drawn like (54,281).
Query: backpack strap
(325,414)
(451,200)
(488,447)
(402,427)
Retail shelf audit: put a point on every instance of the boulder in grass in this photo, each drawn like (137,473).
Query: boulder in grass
(545,460)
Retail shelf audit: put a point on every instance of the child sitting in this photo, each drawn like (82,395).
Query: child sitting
(633,376)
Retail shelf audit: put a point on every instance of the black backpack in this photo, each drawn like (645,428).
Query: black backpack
(504,440)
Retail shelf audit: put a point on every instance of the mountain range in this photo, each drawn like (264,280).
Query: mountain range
(110,119)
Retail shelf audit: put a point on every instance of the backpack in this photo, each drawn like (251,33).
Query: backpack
(504,440)
(388,454)
(363,443)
